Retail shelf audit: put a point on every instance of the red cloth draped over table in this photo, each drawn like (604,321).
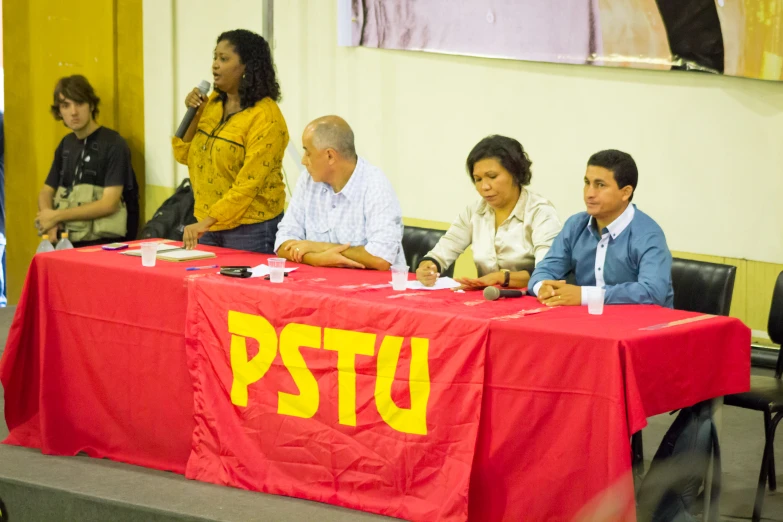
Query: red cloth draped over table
(95,358)
(563,390)
(96,362)
(307,422)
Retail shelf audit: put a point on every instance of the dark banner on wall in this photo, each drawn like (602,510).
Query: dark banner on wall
(732,37)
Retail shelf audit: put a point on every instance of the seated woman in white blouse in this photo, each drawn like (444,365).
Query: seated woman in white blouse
(510,227)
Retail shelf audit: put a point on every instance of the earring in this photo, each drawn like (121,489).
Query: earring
(243,76)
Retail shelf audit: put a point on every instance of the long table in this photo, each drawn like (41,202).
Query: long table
(528,411)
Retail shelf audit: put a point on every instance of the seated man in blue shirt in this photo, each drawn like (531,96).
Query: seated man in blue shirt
(613,245)
(344,211)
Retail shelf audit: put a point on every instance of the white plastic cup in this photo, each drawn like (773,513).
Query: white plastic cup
(399,277)
(149,251)
(595,300)
(276,269)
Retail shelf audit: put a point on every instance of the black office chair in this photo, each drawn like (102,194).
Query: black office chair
(701,287)
(417,241)
(766,395)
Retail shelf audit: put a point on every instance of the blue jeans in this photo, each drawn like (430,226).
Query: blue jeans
(258,237)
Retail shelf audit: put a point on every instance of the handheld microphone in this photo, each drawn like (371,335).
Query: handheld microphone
(491,293)
(203,87)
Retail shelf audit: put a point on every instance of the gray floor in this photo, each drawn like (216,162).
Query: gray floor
(741,442)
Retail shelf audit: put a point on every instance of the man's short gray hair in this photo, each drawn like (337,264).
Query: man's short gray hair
(334,134)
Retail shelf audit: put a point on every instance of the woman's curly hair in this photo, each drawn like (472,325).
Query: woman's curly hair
(259,80)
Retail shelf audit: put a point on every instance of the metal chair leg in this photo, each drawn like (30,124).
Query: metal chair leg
(761,489)
(769,436)
(771,471)
(637,455)
(772,482)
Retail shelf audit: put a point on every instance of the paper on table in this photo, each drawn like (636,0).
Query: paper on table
(443,283)
(263,270)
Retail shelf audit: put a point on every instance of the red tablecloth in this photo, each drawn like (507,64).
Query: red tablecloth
(95,358)
(94,366)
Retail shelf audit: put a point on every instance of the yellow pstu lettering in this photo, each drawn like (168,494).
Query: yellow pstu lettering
(247,372)
(348,344)
(413,420)
(306,403)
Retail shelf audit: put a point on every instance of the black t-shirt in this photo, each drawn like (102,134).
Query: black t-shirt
(101,159)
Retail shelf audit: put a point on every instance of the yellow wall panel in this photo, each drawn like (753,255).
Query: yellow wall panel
(19,145)
(45,40)
(129,98)
(698,257)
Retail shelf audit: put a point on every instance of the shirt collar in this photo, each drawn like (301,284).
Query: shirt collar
(616,227)
(352,189)
(519,208)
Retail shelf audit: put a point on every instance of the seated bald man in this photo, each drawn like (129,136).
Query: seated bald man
(344,212)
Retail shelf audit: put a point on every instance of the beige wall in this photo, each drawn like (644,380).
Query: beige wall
(707,146)
(179,38)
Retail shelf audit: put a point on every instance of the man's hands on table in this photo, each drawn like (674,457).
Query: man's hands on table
(332,257)
(295,250)
(558,293)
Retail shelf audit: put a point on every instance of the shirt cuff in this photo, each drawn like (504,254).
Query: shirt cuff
(433,260)
(380,250)
(181,150)
(584,293)
(537,287)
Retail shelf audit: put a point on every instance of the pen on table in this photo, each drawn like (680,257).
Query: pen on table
(200,267)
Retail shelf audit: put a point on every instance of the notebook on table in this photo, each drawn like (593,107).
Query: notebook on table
(162,247)
(184,255)
(173,253)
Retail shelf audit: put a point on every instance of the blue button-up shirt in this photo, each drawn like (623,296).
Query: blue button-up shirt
(629,258)
(365,213)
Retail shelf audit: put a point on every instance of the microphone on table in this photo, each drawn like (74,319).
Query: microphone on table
(491,293)
(203,87)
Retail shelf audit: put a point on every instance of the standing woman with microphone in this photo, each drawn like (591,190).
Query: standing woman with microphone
(234,149)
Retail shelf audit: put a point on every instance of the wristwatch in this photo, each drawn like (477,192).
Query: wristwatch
(506,277)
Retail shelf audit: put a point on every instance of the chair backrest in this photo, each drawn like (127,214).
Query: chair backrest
(417,241)
(775,324)
(702,287)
